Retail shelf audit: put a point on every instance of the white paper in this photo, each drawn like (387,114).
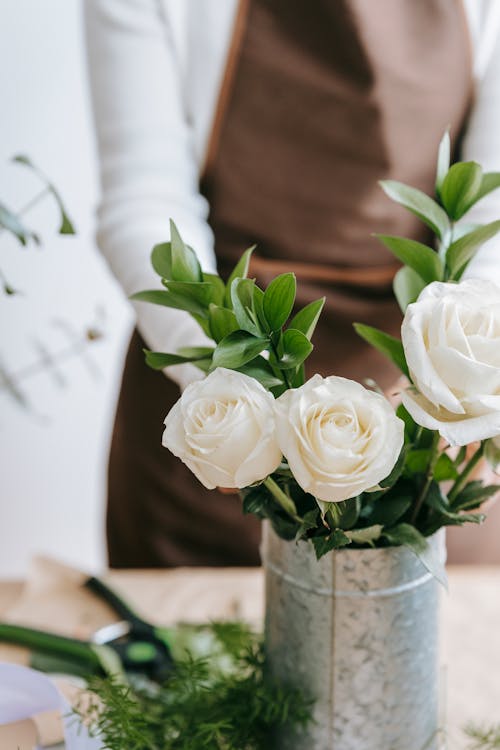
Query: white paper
(25,692)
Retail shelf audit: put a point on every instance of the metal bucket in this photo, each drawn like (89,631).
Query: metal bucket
(358,632)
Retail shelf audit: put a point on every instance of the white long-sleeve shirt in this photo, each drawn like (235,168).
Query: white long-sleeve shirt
(156,67)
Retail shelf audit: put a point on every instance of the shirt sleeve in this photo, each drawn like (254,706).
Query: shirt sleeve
(482,140)
(149,171)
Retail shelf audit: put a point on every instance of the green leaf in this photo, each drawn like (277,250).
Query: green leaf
(161,260)
(443,161)
(237,349)
(261,370)
(200,291)
(160,360)
(306,319)
(258,308)
(445,469)
(460,188)
(66,226)
(419,204)
(299,376)
(446,516)
(240,271)
(461,252)
(343,515)
(279,298)
(310,521)
(423,259)
(218,288)
(389,508)
(222,322)
(205,365)
(185,265)
(169,299)
(473,495)
(407,286)
(490,182)
(417,461)
(294,347)
(367,535)
(324,544)
(242,297)
(408,536)
(387,345)
(196,352)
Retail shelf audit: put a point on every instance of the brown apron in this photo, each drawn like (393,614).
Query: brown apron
(320,101)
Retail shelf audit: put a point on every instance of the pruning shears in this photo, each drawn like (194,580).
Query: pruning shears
(130,646)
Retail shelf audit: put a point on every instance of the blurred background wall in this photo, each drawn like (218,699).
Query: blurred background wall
(53,454)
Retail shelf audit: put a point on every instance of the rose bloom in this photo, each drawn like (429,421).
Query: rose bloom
(339,438)
(451,338)
(223,429)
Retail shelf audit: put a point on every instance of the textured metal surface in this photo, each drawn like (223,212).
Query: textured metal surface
(358,631)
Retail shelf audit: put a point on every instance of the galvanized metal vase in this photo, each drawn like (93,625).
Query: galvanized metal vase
(358,631)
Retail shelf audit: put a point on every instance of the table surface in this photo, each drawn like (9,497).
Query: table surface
(470,622)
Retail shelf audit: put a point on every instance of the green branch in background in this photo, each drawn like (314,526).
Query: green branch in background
(11,221)
(66,225)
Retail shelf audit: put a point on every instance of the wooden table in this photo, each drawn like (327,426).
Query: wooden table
(470,617)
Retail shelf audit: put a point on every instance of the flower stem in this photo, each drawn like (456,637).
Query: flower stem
(428,477)
(283,372)
(282,499)
(461,479)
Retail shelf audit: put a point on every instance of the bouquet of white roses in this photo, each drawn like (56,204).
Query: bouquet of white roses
(328,459)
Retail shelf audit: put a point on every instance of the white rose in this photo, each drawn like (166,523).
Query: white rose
(339,438)
(451,338)
(223,429)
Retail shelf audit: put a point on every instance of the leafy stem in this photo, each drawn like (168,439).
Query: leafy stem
(462,478)
(284,373)
(284,500)
(434,455)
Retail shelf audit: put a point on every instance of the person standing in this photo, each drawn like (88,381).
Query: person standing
(268,122)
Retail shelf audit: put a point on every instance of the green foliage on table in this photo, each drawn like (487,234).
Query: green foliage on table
(218,697)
